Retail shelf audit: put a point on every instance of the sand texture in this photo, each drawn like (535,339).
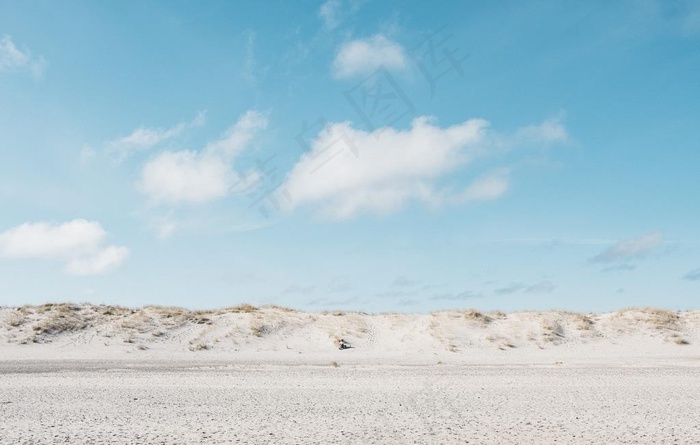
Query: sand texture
(84,374)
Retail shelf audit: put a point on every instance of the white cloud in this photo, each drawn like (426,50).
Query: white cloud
(350,170)
(176,177)
(102,261)
(334,12)
(12,59)
(487,187)
(144,138)
(164,226)
(47,240)
(248,72)
(330,13)
(79,242)
(186,176)
(630,249)
(550,131)
(363,56)
(238,136)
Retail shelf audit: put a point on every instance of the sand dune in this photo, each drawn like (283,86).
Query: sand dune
(278,334)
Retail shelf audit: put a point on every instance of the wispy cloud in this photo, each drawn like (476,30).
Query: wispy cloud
(624,267)
(13,59)
(144,138)
(299,289)
(334,12)
(330,13)
(402,281)
(490,186)
(340,285)
(364,56)
(691,18)
(466,295)
(630,249)
(552,130)
(693,275)
(79,243)
(542,287)
(248,72)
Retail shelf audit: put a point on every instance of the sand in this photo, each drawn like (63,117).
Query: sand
(165,403)
(93,374)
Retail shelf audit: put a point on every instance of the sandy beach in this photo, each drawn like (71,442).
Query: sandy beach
(108,402)
(100,374)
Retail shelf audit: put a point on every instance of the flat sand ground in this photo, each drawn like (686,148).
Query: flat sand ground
(187,402)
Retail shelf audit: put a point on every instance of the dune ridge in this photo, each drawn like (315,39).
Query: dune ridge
(276,333)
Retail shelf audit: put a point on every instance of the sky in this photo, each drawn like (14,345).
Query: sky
(351,154)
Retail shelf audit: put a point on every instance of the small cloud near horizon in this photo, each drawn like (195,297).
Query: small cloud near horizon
(630,249)
(693,275)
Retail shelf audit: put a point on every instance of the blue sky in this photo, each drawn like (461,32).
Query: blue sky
(379,156)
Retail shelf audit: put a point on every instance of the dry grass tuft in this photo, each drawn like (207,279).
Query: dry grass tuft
(259,330)
(15,319)
(581,321)
(660,319)
(244,308)
(474,315)
(498,315)
(335,364)
(61,318)
(140,323)
(197,345)
(280,308)
(113,311)
(552,331)
(200,317)
(334,313)
(681,341)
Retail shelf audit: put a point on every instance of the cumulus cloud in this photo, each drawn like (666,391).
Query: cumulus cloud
(349,170)
(364,56)
(630,249)
(79,243)
(190,177)
(13,59)
(693,275)
(186,176)
(144,138)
